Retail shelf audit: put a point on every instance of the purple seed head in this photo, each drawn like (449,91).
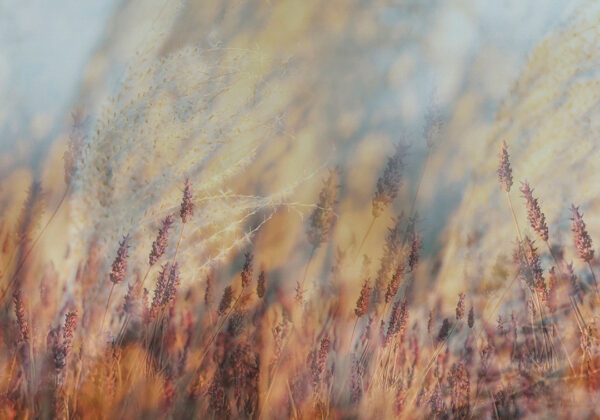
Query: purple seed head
(187,206)
(504,170)
(119,265)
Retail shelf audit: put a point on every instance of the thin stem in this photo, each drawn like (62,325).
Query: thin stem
(432,360)
(362,242)
(421,176)
(178,243)
(294,410)
(310,257)
(106,309)
(144,279)
(593,278)
(127,317)
(512,211)
(33,244)
(219,329)
(273,375)
(573,303)
(525,259)
(353,330)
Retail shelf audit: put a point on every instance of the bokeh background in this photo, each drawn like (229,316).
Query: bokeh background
(358,77)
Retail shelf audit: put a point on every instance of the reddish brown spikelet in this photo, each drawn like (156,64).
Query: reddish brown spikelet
(398,320)
(500,325)
(168,394)
(537,219)
(160,290)
(460,307)
(53,343)
(389,259)
(444,330)
(319,361)
(415,246)
(226,300)
(535,277)
(208,291)
(130,303)
(20,314)
(299,292)
(119,265)
(389,182)
(172,285)
(60,344)
(187,206)
(430,322)
(394,284)
(504,170)
(572,278)
(436,403)
(356,379)
(583,242)
(247,270)
(459,381)
(322,219)
(471,318)
(362,304)
(399,401)
(69,329)
(159,246)
(261,285)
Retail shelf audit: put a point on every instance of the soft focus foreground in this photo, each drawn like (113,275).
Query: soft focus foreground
(237,233)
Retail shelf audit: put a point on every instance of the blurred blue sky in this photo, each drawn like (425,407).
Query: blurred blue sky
(45,46)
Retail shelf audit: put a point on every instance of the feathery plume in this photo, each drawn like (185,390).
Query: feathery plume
(159,246)
(504,170)
(537,219)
